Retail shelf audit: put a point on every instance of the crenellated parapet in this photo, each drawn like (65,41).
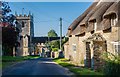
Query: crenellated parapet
(24,16)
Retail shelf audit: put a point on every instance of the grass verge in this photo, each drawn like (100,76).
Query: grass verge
(75,69)
(9,60)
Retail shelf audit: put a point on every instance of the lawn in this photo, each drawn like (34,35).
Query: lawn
(9,60)
(75,69)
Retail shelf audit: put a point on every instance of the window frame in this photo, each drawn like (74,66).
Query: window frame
(74,47)
(113,20)
(95,25)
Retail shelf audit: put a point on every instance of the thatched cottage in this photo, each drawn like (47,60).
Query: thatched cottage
(94,32)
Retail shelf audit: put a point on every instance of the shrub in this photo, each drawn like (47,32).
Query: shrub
(55,49)
(82,62)
(112,64)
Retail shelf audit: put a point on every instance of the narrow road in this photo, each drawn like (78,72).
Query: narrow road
(37,67)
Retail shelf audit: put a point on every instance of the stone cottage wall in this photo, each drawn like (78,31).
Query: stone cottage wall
(82,48)
(66,51)
(73,55)
(112,37)
(78,57)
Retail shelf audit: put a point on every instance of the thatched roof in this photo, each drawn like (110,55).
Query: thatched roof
(76,31)
(112,10)
(77,28)
(99,13)
(105,24)
(68,32)
(80,18)
(97,16)
(85,20)
(90,27)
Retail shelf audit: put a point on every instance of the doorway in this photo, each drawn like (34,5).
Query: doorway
(95,47)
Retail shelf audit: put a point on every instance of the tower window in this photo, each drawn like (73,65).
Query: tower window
(23,24)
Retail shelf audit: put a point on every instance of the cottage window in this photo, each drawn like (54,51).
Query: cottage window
(113,20)
(95,26)
(117,49)
(74,47)
(116,46)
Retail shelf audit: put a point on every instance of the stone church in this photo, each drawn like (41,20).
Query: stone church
(24,24)
(28,44)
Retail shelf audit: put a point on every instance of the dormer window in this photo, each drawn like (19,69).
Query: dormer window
(113,20)
(82,29)
(95,25)
(92,26)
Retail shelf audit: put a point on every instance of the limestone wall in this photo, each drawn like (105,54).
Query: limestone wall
(78,57)
(74,49)
(82,48)
(66,51)
(111,38)
(25,25)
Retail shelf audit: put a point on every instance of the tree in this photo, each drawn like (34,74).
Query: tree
(52,44)
(9,31)
(52,33)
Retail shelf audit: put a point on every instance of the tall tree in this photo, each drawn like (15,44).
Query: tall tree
(52,33)
(9,31)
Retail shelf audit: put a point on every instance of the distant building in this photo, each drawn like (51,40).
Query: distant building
(28,44)
(39,45)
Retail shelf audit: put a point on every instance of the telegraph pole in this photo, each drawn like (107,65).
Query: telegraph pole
(60,34)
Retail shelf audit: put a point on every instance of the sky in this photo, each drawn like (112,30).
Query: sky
(46,14)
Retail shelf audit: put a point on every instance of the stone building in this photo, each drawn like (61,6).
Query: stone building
(39,45)
(24,24)
(93,33)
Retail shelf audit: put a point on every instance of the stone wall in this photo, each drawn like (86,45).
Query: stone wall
(93,60)
(66,50)
(74,54)
(25,36)
(100,48)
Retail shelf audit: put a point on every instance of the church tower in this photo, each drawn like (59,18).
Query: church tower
(24,24)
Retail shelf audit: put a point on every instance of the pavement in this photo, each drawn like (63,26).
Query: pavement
(41,67)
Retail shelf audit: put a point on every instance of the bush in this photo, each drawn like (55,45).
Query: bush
(82,62)
(112,65)
(55,49)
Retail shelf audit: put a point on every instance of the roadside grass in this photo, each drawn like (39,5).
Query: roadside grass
(9,60)
(75,69)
